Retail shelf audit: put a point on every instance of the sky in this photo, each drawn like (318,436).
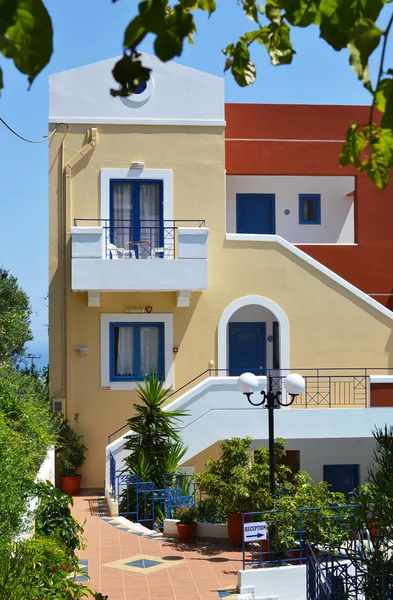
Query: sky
(92,30)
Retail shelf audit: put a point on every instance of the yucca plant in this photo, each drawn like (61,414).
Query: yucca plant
(154,441)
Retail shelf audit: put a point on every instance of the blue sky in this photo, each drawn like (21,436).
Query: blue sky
(91,30)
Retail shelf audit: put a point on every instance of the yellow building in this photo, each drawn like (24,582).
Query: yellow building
(166,257)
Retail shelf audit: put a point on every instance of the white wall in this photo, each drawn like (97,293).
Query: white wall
(314,453)
(276,583)
(46,473)
(256,314)
(337,213)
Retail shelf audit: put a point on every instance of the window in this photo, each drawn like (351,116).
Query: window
(136,351)
(309,209)
(136,215)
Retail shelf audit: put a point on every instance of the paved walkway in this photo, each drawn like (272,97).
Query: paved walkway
(128,565)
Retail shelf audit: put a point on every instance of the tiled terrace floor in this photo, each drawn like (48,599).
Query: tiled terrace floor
(127,566)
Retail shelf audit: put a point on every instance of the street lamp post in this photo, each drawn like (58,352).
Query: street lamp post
(294,385)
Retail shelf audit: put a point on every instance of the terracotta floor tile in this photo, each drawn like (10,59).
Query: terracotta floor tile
(197,576)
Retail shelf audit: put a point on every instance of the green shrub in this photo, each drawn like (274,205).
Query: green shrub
(70,448)
(39,568)
(24,405)
(186,514)
(236,482)
(17,475)
(53,518)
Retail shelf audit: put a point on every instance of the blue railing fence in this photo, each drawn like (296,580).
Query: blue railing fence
(325,387)
(145,503)
(112,474)
(148,238)
(288,532)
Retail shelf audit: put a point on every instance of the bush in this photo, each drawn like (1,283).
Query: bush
(24,404)
(39,568)
(70,448)
(237,483)
(17,475)
(186,514)
(53,518)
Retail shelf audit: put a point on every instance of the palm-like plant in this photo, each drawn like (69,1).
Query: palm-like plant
(154,441)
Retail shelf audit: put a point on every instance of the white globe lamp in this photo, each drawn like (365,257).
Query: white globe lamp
(247,383)
(294,384)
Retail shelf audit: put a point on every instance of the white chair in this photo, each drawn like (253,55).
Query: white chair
(155,251)
(116,253)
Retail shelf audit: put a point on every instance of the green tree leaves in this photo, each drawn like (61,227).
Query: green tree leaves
(26,35)
(364,39)
(15,314)
(370,150)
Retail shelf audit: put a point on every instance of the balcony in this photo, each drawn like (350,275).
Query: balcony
(118,256)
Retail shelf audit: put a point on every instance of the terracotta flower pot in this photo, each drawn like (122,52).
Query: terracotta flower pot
(373,529)
(295,557)
(235,527)
(70,484)
(186,531)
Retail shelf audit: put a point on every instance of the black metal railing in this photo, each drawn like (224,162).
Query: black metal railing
(148,238)
(324,388)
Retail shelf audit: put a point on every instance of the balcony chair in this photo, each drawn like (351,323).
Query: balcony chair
(155,251)
(116,253)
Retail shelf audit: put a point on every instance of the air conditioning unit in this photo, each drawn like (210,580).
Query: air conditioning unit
(58,405)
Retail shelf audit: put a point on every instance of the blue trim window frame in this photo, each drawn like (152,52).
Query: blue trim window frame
(135,226)
(138,376)
(309,209)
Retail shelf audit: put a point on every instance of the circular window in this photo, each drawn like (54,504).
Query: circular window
(141,88)
(141,94)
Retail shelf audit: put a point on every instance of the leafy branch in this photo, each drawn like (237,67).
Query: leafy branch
(343,24)
(350,25)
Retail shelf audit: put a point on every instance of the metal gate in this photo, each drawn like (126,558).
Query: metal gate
(143,503)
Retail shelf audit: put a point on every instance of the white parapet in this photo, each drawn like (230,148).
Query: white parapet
(94,271)
(87,242)
(192,242)
(276,583)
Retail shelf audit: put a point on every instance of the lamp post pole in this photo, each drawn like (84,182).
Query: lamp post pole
(294,384)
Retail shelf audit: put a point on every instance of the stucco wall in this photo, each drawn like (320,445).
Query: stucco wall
(337,209)
(329,326)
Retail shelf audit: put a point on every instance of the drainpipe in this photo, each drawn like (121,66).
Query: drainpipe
(66,225)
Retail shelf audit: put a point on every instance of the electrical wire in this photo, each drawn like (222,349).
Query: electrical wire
(44,139)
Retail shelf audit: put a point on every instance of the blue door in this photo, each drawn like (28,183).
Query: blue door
(342,478)
(247,348)
(255,213)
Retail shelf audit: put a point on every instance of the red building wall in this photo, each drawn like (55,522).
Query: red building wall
(306,140)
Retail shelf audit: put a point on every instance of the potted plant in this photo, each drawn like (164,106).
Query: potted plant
(186,526)
(240,484)
(70,453)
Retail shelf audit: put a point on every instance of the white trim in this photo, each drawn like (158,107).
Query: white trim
(247,301)
(381,379)
(106,319)
(141,121)
(164,175)
(241,237)
(325,244)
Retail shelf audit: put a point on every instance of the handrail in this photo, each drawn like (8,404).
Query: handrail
(312,372)
(201,222)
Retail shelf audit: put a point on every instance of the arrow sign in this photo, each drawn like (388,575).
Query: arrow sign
(253,532)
